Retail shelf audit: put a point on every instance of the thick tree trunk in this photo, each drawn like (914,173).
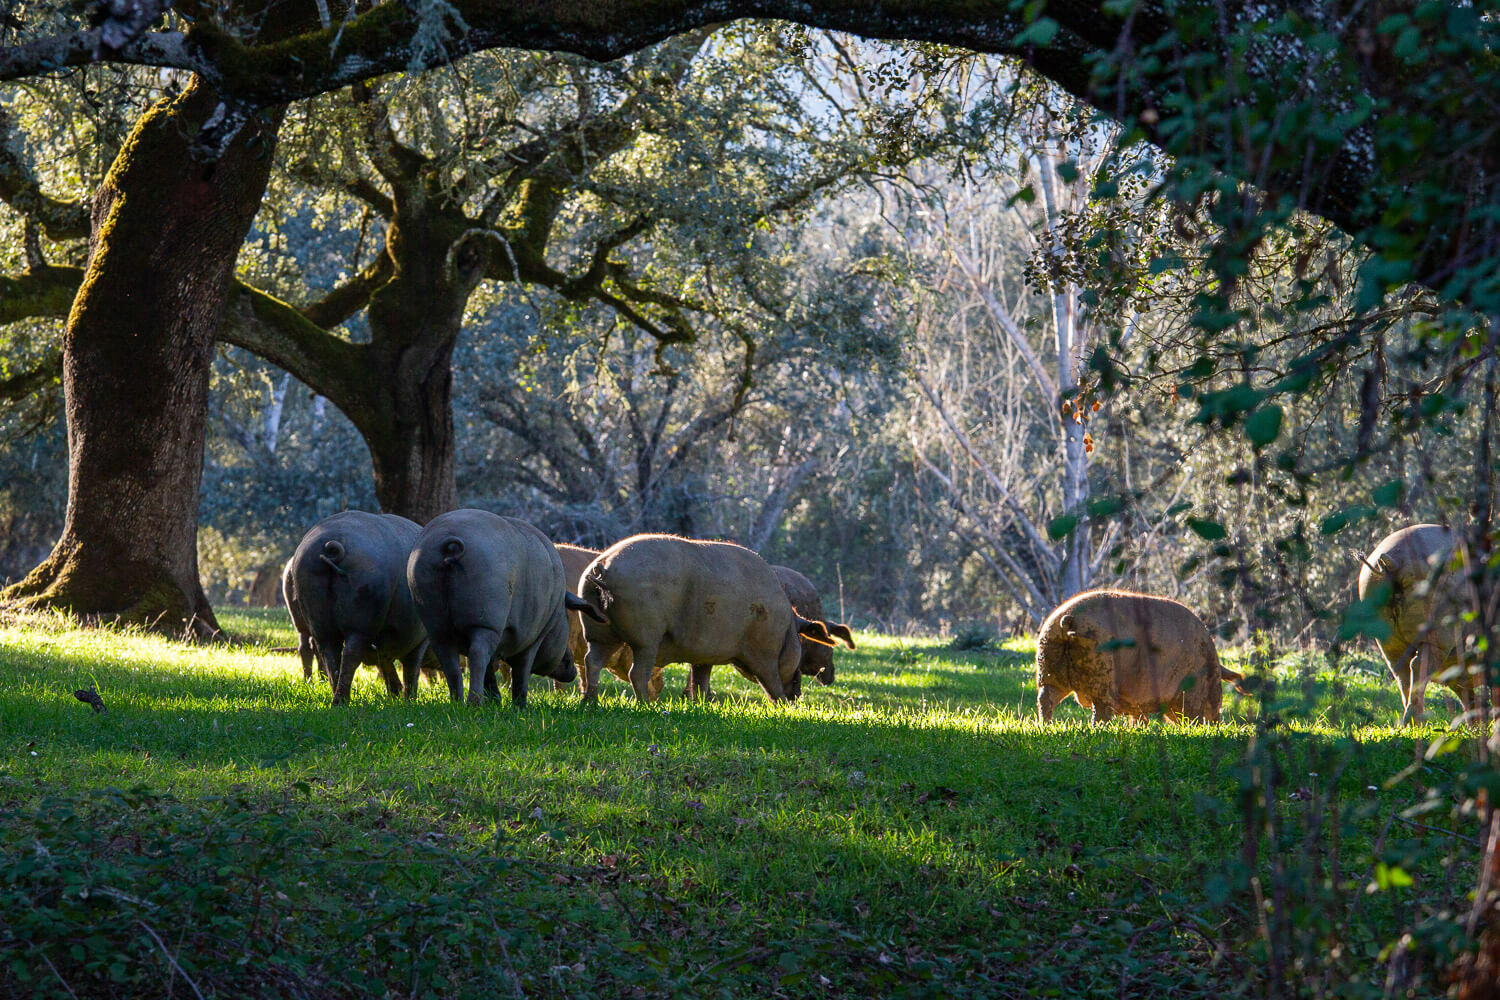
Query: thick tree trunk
(137,351)
(415,320)
(412,445)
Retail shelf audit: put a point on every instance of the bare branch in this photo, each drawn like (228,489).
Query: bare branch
(1039,540)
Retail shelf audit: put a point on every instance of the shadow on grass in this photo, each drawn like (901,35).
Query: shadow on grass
(908,812)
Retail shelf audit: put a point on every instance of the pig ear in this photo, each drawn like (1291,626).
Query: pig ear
(576,603)
(841,631)
(814,631)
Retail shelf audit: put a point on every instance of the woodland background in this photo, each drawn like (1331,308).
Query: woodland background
(897,315)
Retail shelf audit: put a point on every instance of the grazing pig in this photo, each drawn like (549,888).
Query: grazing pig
(1419,589)
(817,659)
(575,559)
(345,588)
(491,587)
(299,622)
(1128,653)
(672,600)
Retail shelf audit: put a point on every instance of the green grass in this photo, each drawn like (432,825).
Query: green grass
(911,830)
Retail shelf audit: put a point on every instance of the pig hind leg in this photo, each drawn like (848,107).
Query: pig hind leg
(697,686)
(520,676)
(643,662)
(1420,672)
(356,648)
(327,649)
(411,666)
(447,657)
(306,653)
(600,652)
(1048,697)
(482,645)
(392,679)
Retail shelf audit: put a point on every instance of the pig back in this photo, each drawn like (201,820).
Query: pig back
(474,569)
(800,591)
(708,602)
(348,575)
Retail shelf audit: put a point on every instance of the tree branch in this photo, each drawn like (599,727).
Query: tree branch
(41,292)
(348,298)
(23,384)
(276,332)
(20,189)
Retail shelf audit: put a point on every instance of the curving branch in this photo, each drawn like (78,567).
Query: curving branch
(349,297)
(46,371)
(41,292)
(277,332)
(20,189)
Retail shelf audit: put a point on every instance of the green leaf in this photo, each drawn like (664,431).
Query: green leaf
(1060,526)
(1263,426)
(1038,32)
(1391,876)
(1208,530)
(1388,494)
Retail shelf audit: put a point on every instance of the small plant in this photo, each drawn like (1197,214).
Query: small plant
(974,637)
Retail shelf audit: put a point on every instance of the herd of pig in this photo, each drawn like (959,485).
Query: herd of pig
(379,589)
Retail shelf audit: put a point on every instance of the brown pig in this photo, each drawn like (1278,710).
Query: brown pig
(1133,654)
(817,659)
(674,600)
(575,559)
(1418,588)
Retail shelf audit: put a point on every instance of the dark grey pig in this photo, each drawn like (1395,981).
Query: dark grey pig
(491,588)
(345,588)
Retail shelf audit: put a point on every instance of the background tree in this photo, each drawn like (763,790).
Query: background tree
(560,184)
(1206,69)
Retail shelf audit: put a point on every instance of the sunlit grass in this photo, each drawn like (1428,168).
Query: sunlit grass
(916,805)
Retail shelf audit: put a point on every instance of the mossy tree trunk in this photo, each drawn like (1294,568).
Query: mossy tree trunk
(405,413)
(137,350)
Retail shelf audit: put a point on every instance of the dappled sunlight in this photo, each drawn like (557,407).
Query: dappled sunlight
(918,791)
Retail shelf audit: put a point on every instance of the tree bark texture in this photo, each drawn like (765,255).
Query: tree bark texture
(139,343)
(406,412)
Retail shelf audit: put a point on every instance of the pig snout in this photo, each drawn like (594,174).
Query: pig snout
(566,670)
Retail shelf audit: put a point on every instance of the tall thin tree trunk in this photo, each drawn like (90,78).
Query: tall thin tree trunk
(139,342)
(271,431)
(1073,576)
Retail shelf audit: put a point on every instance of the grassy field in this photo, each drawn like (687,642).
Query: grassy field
(909,831)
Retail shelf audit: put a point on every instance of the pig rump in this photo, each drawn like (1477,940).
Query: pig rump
(1419,593)
(491,588)
(345,589)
